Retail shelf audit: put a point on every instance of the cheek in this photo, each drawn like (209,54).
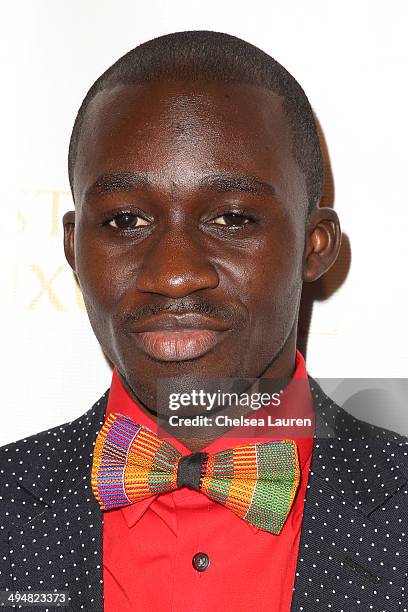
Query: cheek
(99,272)
(274,290)
(272,271)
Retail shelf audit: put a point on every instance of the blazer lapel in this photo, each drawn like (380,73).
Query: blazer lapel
(57,543)
(351,555)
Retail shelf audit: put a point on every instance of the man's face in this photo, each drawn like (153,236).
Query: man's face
(189,230)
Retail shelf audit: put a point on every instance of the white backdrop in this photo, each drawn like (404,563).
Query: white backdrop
(352,60)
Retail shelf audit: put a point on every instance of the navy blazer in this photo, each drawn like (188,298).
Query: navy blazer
(353,552)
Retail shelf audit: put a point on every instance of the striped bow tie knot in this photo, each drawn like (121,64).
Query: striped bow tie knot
(258,482)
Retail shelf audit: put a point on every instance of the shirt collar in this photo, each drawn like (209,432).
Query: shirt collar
(296,402)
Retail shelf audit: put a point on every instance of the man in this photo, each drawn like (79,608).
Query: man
(196,173)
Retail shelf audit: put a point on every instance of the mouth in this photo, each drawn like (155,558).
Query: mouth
(179,345)
(179,338)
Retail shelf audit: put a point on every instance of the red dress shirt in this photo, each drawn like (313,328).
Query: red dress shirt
(148,546)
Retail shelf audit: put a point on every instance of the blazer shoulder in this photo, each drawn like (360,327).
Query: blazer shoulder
(386,439)
(15,456)
(384,435)
(344,425)
(35,471)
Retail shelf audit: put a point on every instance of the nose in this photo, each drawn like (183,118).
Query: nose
(176,265)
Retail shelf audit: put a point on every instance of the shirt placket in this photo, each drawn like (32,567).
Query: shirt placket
(194,560)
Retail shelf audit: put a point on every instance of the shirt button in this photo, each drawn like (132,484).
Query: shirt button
(201,561)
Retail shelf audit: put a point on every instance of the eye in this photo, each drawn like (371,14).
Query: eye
(126,220)
(232,219)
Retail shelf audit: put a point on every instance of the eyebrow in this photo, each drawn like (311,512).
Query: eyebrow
(237,183)
(223,183)
(117,182)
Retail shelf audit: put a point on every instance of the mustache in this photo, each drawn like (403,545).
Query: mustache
(182,306)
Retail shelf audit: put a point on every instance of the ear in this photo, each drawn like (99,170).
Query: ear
(68,221)
(323,239)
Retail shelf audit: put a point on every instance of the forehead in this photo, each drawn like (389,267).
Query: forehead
(178,130)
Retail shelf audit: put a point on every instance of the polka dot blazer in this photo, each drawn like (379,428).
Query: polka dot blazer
(353,552)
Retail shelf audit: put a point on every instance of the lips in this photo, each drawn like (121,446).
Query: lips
(179,337)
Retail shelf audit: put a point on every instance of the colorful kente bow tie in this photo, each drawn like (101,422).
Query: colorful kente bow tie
(257,482)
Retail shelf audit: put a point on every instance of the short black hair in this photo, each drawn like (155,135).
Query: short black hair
(215,56)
